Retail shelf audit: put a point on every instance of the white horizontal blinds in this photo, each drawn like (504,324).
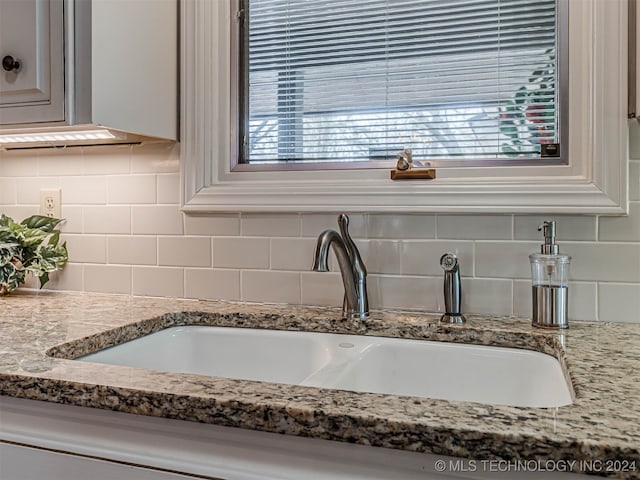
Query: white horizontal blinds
(345,80)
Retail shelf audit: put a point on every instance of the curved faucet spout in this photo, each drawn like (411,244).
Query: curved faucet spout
(321,257)
(352,269)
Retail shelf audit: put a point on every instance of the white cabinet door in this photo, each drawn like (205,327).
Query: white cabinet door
(21,462)
(32,33)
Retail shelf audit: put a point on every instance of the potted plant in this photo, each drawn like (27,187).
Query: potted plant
(31,246)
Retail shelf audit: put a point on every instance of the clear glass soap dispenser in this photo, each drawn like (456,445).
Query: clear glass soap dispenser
(550,282)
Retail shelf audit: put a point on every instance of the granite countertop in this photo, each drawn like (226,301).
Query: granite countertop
(40,332)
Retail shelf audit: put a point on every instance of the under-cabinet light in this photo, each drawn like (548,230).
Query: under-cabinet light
(58,137)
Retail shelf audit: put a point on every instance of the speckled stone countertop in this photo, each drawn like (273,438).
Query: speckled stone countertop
(40,333)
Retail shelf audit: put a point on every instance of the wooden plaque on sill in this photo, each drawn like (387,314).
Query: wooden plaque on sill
(414,174)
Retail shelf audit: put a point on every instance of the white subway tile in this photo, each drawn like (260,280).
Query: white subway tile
(156,220)
(402,247)
(522,298)
(107,159)
(84,190)
(270,286)
(604,262)
(8,191)
(69,278)
(380,256)
(155,158)
(485,296)
(401,226)
(619,302)
(504,259)
(29,189)
(158,281)
(107,219)
(313,224)
(60,162)
(474,227)
(19,163)
(184,251)
(238,252)
(423,257)
(582,301)
(19,212)
(321,288)
(567,228)
(86,248)
(132,250)
(73,218)
(131,189)
(621,229)
(107,279)
(415,293)
(212,284)
(168,188)
(219,224)
(270,225)
(292,253)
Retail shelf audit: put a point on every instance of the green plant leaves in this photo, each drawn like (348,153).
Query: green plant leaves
(46,224)
(29,246)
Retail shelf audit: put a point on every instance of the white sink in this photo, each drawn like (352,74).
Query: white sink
(243,353)
(454,371)
(449,371)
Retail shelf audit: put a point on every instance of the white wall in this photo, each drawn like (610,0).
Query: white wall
(126,234)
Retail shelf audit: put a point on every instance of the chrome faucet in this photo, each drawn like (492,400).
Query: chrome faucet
(452,289)
(354,273)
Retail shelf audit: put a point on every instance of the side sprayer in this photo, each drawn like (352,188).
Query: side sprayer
(452,289)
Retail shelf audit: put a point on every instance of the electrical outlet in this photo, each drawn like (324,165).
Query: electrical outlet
(51,202)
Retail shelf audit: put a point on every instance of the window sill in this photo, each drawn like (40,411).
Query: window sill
(404,196)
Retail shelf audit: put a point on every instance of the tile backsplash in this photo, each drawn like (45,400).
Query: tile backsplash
(126,234)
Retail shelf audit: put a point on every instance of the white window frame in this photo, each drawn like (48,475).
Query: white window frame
(594,182)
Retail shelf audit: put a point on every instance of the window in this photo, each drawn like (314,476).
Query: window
(354,82)
(594,180)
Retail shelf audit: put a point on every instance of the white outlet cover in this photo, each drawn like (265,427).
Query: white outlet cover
(51,202)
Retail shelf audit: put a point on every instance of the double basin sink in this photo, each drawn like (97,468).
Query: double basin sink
(420,368)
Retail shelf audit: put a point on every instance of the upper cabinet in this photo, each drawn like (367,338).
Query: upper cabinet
(106,68)
(32,54)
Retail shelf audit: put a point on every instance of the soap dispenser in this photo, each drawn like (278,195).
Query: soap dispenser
(550,274)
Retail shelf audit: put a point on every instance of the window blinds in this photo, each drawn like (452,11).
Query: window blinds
(357,80)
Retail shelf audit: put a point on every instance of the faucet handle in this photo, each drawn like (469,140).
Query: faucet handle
(354,254)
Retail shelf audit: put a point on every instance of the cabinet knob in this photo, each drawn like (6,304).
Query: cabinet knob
(10,64)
